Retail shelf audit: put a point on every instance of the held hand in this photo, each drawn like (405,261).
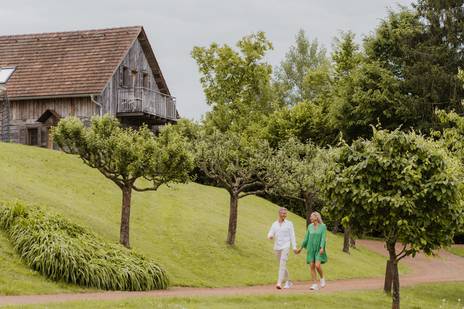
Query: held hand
(297,251)
(321,251)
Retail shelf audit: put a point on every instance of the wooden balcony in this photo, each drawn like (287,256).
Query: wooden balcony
(145,104)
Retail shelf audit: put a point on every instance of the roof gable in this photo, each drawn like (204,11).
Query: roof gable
(70,63)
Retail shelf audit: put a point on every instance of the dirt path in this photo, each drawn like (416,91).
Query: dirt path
(445,267)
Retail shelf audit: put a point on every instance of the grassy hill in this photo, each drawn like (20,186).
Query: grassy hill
(183,227)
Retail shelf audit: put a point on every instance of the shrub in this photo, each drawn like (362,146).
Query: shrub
(62,250)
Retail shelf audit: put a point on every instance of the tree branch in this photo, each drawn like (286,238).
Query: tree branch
(154,188)
(249,185)
(243,194)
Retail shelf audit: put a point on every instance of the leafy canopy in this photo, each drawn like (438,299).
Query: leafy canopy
(302,167)
(236,83)
(399,184)
(125,155)
(304,73)
(240,164)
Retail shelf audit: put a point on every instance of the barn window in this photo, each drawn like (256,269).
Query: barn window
(145,80)
(125,77)
(32,136)
(5,74)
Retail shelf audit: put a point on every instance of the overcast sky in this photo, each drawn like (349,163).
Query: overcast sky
(175,26)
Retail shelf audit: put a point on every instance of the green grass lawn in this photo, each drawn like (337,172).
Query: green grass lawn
(444,295)
(458,250)
(183,227)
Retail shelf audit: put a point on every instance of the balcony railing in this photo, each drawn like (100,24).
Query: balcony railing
(147,101)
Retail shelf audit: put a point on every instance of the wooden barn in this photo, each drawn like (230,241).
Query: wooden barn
(47,76)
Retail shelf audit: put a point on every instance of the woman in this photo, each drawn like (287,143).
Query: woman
(314,243)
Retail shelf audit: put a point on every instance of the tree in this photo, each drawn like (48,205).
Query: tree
(303,73)
(346,56)
(236,83)
(452,134)
(124,156)
(371,95)
(306,122)
(399,184)
(422,47)
(444,21)
(243,166)
(302,166)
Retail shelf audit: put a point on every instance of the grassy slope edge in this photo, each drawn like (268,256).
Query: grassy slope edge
(183,227)
(442,295)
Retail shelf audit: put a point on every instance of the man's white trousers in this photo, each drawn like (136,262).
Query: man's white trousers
(282,256)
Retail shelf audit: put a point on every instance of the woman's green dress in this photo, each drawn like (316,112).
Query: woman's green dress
(313,242)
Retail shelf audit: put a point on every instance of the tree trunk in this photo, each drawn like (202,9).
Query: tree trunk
(233,212)
(394,275)
(352,242)
(336,227)
(396,287)
(387,286)
(125,216)
(309,203)
(346,240)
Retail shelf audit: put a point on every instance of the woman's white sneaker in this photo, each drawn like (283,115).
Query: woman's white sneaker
(288,284)
(322,282)
(314,287)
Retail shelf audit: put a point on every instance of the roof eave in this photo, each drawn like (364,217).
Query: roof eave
(148,50)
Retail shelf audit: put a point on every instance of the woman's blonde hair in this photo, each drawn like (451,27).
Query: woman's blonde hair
(318,216)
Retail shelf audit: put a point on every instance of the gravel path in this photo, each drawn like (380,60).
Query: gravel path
(445,267)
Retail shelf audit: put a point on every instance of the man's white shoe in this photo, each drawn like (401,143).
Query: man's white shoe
(322,282)
(288,284)
(314,287)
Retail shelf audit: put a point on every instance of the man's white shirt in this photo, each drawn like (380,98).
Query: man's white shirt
(283,234)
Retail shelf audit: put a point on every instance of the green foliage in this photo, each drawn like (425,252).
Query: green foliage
(444,21)
(236,83)
(422,47)
(64,251)
(303,86)
(452,136)
(302,166)
(124,154)
(346,56)
(402,185)
(371,95)
(306,121)
(236,162)
(304,74)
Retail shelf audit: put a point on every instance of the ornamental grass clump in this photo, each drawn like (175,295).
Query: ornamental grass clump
(64,251)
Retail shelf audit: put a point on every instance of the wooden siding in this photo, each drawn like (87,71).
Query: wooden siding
(31,110)
(135,60)
(25,113)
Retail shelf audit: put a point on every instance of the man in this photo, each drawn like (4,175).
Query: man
(284,235)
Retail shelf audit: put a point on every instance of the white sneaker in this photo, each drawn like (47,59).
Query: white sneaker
(314,287)
(322,282)
(288,284)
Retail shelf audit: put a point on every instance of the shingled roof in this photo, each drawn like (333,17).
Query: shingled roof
(72,63)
